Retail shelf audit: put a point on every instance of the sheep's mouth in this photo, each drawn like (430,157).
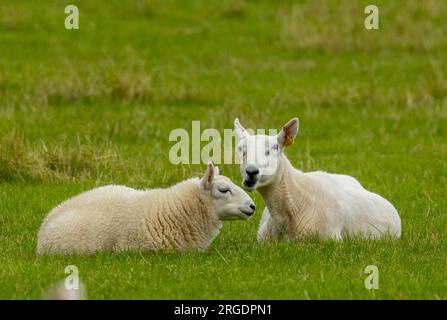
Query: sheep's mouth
(247,213)
(250,184)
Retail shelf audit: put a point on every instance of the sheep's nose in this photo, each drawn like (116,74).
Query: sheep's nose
(252,171)
(252,207)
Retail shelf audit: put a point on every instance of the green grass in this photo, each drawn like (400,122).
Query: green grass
(85,108)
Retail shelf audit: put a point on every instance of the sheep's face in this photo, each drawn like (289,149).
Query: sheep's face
(259,154)
(229,201)
(258,157)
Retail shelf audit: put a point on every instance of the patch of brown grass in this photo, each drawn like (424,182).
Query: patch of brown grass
(110,81)
(334,26)
(21,161)
(234,9)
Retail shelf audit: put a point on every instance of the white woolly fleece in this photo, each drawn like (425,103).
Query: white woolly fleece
(115,218)
(330,206)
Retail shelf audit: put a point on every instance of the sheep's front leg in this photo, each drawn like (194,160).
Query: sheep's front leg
(268,229)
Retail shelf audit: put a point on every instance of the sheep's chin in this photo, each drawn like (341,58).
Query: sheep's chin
(234,216)
(250,187)
(258,184)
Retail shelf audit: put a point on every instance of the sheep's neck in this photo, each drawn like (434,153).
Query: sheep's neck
(202,222)
(207,219)
(190,213)
(292,200)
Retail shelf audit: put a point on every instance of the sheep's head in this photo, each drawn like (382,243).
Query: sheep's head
(259,154)
(230,202)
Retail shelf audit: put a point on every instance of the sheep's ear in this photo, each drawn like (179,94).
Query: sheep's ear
(239,129)
(207,179)
(288,132)
(216,171)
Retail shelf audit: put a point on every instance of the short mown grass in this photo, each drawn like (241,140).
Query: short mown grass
(84,108)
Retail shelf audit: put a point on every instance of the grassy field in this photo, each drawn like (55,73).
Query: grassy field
(93,106)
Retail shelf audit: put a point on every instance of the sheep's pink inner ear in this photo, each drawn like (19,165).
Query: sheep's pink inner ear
(288,133)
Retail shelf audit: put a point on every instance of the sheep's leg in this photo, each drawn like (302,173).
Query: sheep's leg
(268,230)
(333,234)
(263,226)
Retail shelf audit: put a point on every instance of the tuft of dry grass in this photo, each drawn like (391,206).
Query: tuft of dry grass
(21,161)
(129,86)
(12,17)
(109,81)
(145,8)
(234,9)
(18,162)
(337,26)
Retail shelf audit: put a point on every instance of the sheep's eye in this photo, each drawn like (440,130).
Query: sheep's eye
(275,147)
(267,152)
(224,190)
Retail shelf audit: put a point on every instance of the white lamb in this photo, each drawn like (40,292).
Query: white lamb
(300,204)
(114,218)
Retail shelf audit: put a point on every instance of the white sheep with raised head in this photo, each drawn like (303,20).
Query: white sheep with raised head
(115,218)
(301,204)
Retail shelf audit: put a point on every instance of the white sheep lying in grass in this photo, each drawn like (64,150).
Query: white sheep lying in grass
(300,204)
(114,218)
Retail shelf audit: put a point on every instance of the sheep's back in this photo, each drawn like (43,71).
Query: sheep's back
(95,220)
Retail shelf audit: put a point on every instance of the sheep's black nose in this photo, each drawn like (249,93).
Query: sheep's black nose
(252,171)
(253,207)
